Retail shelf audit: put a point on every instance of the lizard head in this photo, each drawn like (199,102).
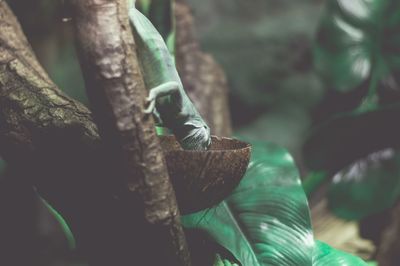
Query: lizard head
(194,135)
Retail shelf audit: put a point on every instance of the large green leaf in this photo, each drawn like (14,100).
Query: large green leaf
(368,186)
(358,56)
(266,220)
(358,40)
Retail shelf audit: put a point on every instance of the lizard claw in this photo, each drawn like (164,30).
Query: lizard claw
(150,108)
(160,91)
(151,101)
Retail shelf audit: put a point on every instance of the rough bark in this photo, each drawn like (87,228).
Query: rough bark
(203,79)
(388,252)
(30,104)
(116,90)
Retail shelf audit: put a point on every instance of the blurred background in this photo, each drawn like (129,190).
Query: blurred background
(293,68)
(264,48)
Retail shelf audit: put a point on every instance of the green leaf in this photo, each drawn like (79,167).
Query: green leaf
(63,224)
(325,255)
(357,39)
(266,216)
(266,220)
(223,262)
(358,56)
(368,186)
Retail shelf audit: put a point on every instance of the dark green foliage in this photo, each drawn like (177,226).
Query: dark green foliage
(357,54)
(357,42)
(266,220)
(356,139)
(368,186)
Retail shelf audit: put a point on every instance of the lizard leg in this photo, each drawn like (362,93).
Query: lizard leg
(164,89)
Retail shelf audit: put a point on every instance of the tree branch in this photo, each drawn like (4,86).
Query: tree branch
(203,79)
(30,103)
(116,90)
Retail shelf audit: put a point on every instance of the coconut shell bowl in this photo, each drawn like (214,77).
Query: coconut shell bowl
(202,179)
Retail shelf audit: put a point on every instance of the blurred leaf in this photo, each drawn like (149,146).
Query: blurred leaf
(223,262)
(312,181)
(357,40)
(160,13)
(325,255)
(266,220)
(63,224)
(144,6)
(357,54)
(368,186)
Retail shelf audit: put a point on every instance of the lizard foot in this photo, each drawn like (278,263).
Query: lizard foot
(160,91)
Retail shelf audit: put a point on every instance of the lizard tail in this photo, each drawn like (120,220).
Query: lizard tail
(131,4)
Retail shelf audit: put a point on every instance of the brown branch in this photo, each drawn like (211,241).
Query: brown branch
(203,79)
(30,104)
(116,89)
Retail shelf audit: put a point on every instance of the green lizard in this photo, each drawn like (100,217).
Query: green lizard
(167,99)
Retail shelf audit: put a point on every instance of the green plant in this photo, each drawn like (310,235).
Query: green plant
(266,220)
(356,53)
(368,186)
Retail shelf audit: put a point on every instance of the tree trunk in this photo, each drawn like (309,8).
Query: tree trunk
(116,90)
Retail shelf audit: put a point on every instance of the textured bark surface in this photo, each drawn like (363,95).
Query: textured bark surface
(203,79)
(30,104)
(388,252)
(116,90)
